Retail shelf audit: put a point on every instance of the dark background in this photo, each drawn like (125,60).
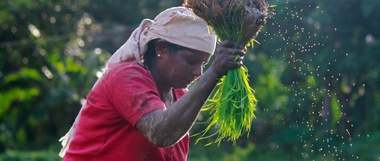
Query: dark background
(316,74)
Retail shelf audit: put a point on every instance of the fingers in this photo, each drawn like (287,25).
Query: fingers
(239,60)
(232,48)
(228,56)
(229,48)
(233,61)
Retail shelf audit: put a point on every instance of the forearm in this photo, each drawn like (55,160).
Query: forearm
(167,127)
(185,111)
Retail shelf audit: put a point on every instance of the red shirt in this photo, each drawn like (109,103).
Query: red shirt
(106,129)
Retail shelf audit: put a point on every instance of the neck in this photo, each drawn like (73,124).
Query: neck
(163,88)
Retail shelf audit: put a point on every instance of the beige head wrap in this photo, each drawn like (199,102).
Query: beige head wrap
(176,25)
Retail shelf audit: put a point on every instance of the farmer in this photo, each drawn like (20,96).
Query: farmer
(140,109)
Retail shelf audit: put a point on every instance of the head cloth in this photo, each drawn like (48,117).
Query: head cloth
(177,25)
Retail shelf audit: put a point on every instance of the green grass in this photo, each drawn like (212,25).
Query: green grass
(231,107)
(41,155)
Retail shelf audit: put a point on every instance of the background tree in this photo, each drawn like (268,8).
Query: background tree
(315,74)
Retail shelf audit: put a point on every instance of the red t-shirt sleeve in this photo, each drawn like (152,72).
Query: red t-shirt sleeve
(132,92)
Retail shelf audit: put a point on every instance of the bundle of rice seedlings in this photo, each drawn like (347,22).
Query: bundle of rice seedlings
(233,103)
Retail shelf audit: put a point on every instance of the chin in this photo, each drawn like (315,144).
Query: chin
(181,86)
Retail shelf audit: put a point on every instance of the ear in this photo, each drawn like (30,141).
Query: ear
(162,48)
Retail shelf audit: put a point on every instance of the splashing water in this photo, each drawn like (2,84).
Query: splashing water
(310,114)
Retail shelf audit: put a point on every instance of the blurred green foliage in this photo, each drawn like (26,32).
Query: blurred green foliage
(315,73)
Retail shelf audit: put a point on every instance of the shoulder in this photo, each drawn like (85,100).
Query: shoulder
(128,76)
(127,71)
(130,68)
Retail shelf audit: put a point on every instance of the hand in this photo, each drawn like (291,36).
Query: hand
(227,56)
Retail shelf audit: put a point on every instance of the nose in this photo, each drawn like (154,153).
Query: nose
(197,71)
